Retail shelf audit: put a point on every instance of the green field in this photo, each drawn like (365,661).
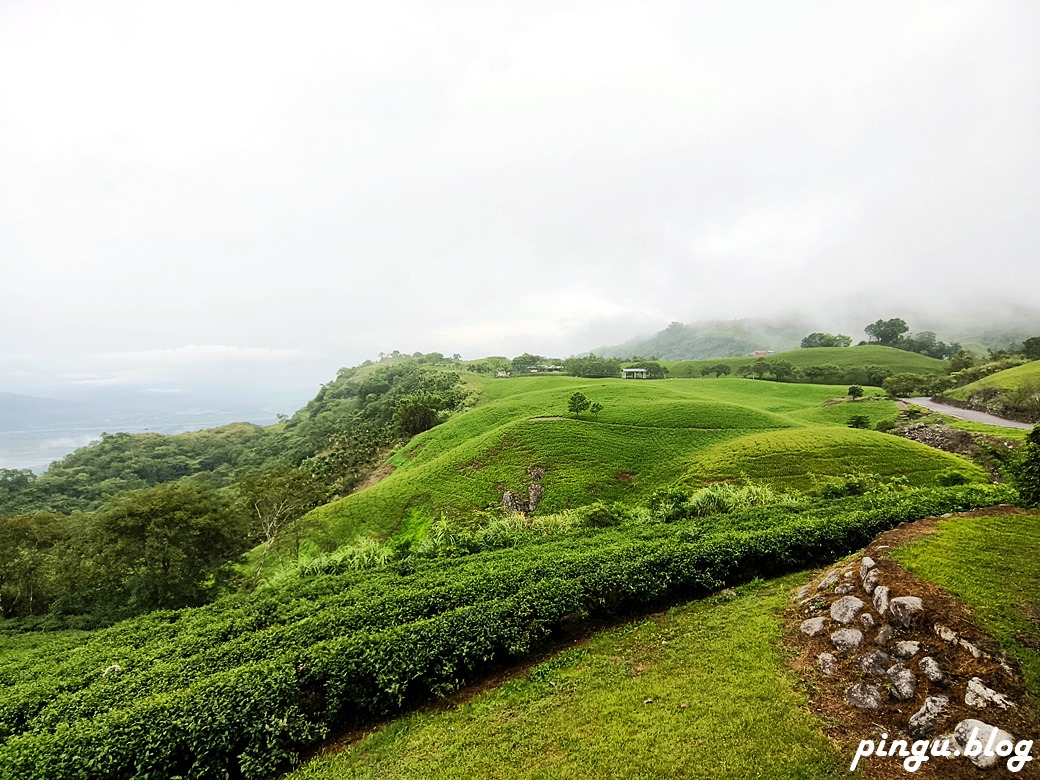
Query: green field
(897,360)
(1015,378)
(650,434)
(1004,598)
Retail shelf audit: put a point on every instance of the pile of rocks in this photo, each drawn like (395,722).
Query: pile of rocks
(901,661)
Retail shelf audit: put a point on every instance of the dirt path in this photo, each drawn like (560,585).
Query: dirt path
(966,414)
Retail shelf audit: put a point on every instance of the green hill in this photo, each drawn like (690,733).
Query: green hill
(1010,379)
(897,361)
(1014,392)
(649,435)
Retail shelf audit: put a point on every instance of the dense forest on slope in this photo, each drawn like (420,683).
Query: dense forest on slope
(146,521)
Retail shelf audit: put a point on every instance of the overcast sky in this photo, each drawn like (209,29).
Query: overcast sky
(278,189)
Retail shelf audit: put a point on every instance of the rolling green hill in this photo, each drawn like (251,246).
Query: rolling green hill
(898,361)
(649,435)
(1014,393)
(1010,379)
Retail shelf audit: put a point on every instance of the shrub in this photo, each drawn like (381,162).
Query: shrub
(1025,469)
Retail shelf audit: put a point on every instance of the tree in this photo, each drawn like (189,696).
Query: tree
(859,421)
(855,391)
(823,374)
(160,548)
(276,501)
(1031,348)
(886,332)
(578,404)
(825,340)
(1025,472)
(962,360)
(29,570)
(875,375)
(596,408)
(416,413)
(523,364)
(719,369)
(781,369)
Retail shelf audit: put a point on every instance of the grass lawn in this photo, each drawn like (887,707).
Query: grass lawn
(700,691)
(992,563)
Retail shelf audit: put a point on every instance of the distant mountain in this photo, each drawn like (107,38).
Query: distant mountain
(714,339)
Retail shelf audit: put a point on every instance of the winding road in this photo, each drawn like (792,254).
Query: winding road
(966,414)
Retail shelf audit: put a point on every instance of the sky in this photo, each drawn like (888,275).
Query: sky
(248,195)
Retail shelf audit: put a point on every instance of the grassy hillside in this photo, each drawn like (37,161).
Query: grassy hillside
(898,361)
(649,435)
(1011,379)
(798,458)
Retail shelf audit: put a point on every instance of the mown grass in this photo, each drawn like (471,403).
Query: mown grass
(1011,378)
(649,435)
(990,562)
(896,360)
(796,458)
(698,692)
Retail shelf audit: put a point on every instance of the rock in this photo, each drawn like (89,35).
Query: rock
(925,721)
(814,626)
(979,696)
(870,582)
(813,604)
(972,648)
(977,731)
(881,598)
(932,671)
(865,566)
(884,636)
(864,696)
(801,593)
(875,662)
(845,588)
(906,610)
(844,609)
(829,581)
(906,649)
(847,639)
(944,633)
(866,620)
(827,663)
(902,682)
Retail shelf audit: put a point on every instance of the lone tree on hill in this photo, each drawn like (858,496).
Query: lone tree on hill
(855,391)
(578,404)
(814,340)
(886,332)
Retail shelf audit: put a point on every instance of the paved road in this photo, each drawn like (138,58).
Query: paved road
(967,414)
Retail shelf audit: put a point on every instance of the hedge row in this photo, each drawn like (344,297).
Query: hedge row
(314,656)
